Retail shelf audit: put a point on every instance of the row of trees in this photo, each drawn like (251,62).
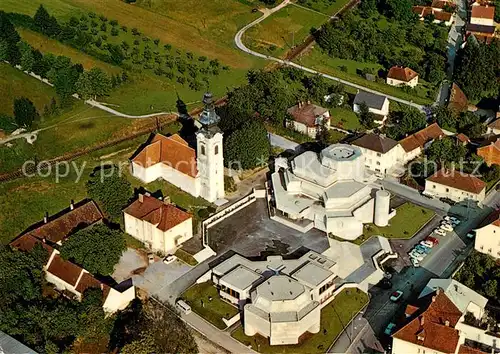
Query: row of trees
(265,99)
(481,273)
(68,78)
(93,34)
(403,40)
(477,69)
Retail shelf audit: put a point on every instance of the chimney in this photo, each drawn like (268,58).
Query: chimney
(433,299)
(447,323)
(438,291)
(422,320)
(141,198)
(46,217)
(299,104)
(44,240)
(102,286)
(72,205)
(308,101)
(166,200)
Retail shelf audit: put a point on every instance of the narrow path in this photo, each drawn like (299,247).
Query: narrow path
(105,107)
(239,43)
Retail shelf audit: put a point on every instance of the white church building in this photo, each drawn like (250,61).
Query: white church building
(198,172)
(331,191)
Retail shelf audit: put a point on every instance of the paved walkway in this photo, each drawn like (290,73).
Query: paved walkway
(106,108)
(239,43)
(281,142)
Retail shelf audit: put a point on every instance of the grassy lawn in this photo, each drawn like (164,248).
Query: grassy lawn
(281,31)
(408,220)
(209,28)
(48,45)
(320,61)
(186,257)
(334,318)
(213,311)
(13,84)
(329,7)
(288,133)
(344,118)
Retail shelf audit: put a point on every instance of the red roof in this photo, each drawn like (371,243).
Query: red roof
(87,281)
(486,12)
(64,270)
(432,326)
(401,74)
(156,212)
(306,113)
(27,242)
(422,137)
(172,151)
(463,138)
(458,100)
(64,225)
(459,180)
(464,349)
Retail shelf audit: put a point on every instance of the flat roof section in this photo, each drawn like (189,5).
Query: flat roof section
(312,274)
(241,277)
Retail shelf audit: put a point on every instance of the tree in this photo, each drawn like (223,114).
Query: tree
(25,112)
(366,118)
(445,151)
(399,9)
(248,146)
(111,190)
(93,83)
(97,249)
(8,40)
(405,122)
(64,81)
(45,23)
(27,57)
(491,288)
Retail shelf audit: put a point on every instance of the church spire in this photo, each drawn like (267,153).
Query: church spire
(208,117)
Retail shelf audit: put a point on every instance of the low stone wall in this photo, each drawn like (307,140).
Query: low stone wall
(292,225)
(230,210)
(232,320)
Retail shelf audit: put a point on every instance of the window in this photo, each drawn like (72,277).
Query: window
(434,186)
(447,189)
(378,163)
(216,149)
(203,149)
(378,154)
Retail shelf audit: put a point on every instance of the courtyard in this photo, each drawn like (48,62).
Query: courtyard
(252,233)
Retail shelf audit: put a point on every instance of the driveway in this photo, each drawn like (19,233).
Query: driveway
(158,275)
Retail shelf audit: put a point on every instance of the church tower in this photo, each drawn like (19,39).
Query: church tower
(210,160)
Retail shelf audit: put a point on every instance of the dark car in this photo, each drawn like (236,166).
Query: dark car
(385,284)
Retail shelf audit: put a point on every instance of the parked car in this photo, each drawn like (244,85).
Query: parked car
(415,262)
(417,256)
(446,227)
(390,327)
(169,259)
(440,232)
(396,295)
(420,248)
(426,243)
(434,240)
(471,234)
(447,218)
(385,284)
(183,307)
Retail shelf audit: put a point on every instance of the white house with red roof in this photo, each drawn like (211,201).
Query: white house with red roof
(402,76)
(198,172)
(488,236)
(158,223)
(307,118)
(455,185)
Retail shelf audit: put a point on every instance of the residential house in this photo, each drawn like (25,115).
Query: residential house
(198,172)
(440,322)
(482,23)
(494,127)
(65,275)
(382,154)
(488,235)
(158,223)
(415,144)
(456,186)
(281,299)
(377,104)
(457,100)
(400,76)
(439,15)
(461,139)
(307,118)
(489,150)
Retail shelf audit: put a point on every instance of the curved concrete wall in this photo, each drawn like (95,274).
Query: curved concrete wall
(382,201)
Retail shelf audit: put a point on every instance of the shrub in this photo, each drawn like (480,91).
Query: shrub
(167,46)
(103,18)
(113,23)
(124,28)
(104,28)
(114,32)
(156,41)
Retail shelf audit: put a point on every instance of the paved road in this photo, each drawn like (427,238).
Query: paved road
(221,338)
(281,142)
(239,43)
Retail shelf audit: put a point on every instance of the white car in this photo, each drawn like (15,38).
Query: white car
(428,244)
(447,218)
(446,227)
(169,259)
(440,232)
(415,262)
(395,296)
(417,256)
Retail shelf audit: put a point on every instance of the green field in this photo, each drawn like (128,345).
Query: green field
(335,317)
(13,85)
(283,30)
(213,310)
(320,61)
(344,118)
